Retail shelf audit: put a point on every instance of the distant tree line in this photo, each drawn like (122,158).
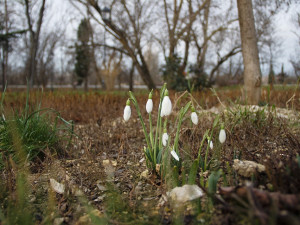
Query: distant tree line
(186,43)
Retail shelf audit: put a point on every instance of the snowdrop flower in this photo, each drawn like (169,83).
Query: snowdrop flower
(149,104)
(222,135)
(166,107)
(211,145)
(127,111)
(165,138)
(174,154)
(194,116)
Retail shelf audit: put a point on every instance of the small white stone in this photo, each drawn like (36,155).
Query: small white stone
(106,162)
(58,221)
(142,160)
(57,187)
(247,168)
(145,174)
(185,193)
(114,163)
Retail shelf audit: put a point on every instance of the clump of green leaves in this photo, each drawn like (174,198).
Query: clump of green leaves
(38,130)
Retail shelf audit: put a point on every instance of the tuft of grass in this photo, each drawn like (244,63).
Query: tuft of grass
(39,130)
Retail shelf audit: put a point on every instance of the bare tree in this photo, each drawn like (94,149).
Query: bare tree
(295,60)
(34,33)
(152,59)
(5,47)
(111,70)
(252,73)
(178,22)
(179,17)
(45,55)
(8,32)
(127,24)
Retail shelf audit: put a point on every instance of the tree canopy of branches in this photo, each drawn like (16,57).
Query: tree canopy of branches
(127,26)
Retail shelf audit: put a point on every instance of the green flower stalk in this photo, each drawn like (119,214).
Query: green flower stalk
(134,101)
(149,108)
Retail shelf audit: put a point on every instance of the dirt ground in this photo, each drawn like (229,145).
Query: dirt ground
(105,167)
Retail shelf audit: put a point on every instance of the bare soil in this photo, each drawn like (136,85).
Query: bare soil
(117,187)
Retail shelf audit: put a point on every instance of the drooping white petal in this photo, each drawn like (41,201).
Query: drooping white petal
(149,106)
(127,113)
(174,154)
(222,136)
(194,118)
(161,111)
(211,145)
(165,139)
(166,107)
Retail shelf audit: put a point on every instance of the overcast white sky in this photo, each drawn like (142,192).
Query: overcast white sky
(63,11)
(285,30)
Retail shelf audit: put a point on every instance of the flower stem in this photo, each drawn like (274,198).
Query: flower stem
(182,112)
(216,121)
(151,131)
(158,124)
(133,99)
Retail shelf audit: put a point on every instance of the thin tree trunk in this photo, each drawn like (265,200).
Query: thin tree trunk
(34,40)
(131,77)
(202,58)
(85,80)
(5,50)
(252,73)
(3,69)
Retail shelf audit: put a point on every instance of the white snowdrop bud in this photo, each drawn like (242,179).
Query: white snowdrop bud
(127,111)
(194,116)
(166,107)
(222,135)
(165,139)
(149,106)
(174,154)
(211,145)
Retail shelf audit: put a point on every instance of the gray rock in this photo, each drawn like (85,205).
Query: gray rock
(247,168)
(185,193)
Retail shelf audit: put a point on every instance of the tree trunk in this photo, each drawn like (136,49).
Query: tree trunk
(34,39)
(252,73)
(32,63)
(5,50)
(131,77)
(85,80)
